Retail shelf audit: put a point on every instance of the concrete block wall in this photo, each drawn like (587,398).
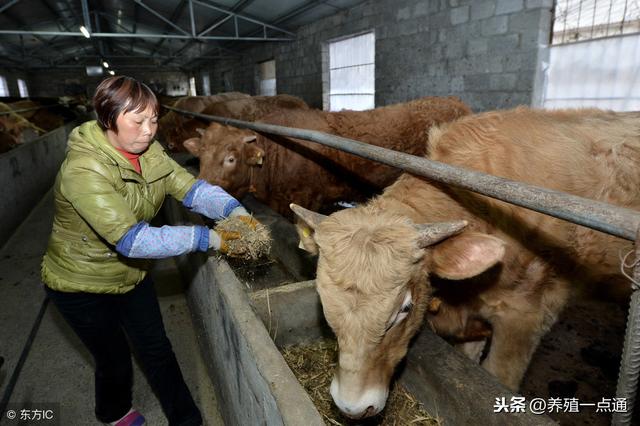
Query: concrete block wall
(26,174)
(484,51)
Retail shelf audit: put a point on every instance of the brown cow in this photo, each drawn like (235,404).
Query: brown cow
(171,125)
(311,174)
(45,118)
(247,109)
(13,127)
(487,261)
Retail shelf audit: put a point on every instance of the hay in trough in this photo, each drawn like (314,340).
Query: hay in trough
(314,365)
(252,244)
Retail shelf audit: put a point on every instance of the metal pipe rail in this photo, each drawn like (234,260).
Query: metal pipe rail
(613,220)
(607,218)
(16,111)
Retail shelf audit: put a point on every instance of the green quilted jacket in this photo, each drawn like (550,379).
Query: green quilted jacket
(98,197)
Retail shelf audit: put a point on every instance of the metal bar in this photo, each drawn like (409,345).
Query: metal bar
(630,363)
(162,18)
(139,35)
(16,111)
(8,5)
(214,26)
(255,21)
(192,19)
(85,15)
(613,220)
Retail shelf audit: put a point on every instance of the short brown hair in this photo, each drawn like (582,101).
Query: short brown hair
(121,94)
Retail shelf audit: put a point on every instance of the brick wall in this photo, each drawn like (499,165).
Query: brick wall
(484,51)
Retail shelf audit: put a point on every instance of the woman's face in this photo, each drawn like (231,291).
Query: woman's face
(135,131)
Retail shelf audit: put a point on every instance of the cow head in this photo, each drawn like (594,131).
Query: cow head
(372,278)
(227,155)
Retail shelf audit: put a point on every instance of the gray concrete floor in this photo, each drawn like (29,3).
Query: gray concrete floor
(58,371)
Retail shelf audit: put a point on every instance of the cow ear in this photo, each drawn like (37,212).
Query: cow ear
(255,155)
(466,255)
(193,146)
(306,223)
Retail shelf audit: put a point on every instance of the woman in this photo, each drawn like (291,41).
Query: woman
(111,184)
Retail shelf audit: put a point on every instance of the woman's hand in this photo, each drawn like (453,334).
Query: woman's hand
(219,240)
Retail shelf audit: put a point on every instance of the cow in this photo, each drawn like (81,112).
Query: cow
(171,124)
(14,129)
(382,264)
(279,170)
(44,117)
(247,109)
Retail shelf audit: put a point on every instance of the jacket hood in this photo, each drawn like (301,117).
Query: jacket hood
(89,138)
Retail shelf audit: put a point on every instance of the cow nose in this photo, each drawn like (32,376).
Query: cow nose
(370,411)
(365,403)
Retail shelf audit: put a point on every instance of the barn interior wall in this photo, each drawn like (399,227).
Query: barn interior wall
(486,52)
(58,82)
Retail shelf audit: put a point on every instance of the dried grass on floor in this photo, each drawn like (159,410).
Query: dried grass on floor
(252,244)
(314,365)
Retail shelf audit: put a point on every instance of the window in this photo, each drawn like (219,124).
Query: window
(593,59)
(227,80)
(267,78)
(577,20)
(352,73)
(22,88)
(192,86)
(4,88)
(206,84)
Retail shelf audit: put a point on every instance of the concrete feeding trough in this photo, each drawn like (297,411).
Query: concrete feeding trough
(244,314)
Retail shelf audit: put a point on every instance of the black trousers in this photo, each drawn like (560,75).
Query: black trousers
(101,321)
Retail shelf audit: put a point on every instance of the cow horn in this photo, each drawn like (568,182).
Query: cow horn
(432,233)
(312,218)
(200,131)
(249,138)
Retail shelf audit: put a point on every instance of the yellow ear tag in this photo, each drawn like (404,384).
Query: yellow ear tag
(306,232)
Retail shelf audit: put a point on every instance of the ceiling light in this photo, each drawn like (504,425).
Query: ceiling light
(112,72)
(105,64)
(84,31)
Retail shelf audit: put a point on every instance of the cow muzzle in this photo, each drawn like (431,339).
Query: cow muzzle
(358,405)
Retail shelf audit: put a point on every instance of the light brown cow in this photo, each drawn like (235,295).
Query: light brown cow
(494,263)
(279,171)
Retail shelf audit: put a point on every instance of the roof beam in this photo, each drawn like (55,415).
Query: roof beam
(174,17)
(139,35)
(244,18)
(159,16)
(8,5)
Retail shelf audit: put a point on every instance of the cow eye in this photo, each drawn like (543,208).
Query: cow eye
(406,308)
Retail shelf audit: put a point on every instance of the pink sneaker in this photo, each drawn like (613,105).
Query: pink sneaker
(134,418)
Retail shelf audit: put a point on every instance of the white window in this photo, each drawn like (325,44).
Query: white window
(4,88)
(192,86)
(227,80)
(577,20)
(352,73)
(267,78)
(593,59)
(22,88)
(206,84)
